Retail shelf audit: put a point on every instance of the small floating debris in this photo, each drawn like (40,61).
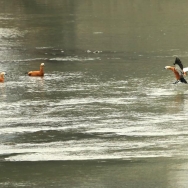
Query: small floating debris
(97,52)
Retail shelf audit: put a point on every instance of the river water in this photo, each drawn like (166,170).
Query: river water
(106,113)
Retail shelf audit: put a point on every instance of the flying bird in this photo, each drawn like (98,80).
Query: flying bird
(178,70)
(37,73)
(2,75)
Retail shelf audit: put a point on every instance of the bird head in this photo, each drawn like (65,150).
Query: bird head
(167,67)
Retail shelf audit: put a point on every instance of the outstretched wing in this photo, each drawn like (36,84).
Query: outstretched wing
(185,69)
(178,62)
(178,69)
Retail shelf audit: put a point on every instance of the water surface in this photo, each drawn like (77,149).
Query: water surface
(106,111)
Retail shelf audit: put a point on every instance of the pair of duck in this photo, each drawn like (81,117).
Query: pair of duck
(30,73)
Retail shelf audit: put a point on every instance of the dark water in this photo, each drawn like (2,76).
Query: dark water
(105,114)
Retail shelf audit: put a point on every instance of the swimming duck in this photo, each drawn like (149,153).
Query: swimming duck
(178,70)
(37,73)
(2,74)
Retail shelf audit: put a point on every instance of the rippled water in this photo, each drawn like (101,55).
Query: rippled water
(60,116)
(105,95)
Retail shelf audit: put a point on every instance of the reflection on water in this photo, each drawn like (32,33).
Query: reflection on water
(105,111)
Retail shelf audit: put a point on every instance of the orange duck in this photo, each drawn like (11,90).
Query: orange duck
(37,73)
(178,70)
(2,74)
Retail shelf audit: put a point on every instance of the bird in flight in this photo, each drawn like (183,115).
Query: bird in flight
(179,71)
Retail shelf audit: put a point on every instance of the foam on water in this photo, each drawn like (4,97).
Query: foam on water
(74,59)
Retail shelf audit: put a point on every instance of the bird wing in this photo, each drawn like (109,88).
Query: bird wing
(185,69)
(178,62)
(178,69)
